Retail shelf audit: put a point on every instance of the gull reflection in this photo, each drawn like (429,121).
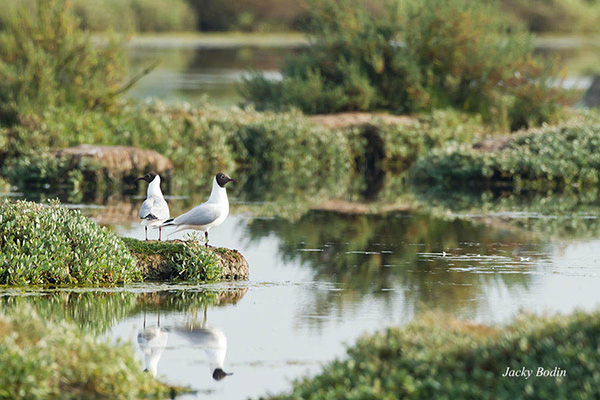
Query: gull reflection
(210,339)
(152,341)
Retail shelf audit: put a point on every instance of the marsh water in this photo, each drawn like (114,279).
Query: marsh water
(320,280)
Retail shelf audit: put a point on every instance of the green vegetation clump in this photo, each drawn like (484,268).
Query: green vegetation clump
(188,260)
(426,55)
(44,359)
(200,140)
(49,244)
(553,157)
(437,357)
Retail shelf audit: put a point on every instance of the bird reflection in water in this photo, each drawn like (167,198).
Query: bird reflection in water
(152,341)
(210,339)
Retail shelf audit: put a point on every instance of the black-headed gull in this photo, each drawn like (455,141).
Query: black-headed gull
(154,210)
(212,341)
(152,342)
(207,215)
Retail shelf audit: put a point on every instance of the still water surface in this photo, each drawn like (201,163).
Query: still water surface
(319,282)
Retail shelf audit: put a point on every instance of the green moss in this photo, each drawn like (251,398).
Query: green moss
(58,360)
(438,357)
(50,244)
(188,260)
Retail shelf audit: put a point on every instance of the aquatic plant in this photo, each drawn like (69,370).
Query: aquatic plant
(46,359)
(416,56)
(439,357)
(50,244)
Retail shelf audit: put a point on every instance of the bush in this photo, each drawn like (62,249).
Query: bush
(552,157)
(437,357)
(58,360)
(54,245)
(46,60)
(201,141)
(433,54)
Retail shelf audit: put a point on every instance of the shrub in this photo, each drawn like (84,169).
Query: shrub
(561,157)
(437,357)
(58,360)
(46,60)
(54,245)
(432,54)
(201,140)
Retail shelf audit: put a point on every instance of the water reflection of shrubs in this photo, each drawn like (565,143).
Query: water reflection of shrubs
(98,311)
(566,215)
(368,253)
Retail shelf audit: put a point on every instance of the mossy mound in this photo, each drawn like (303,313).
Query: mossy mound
(437,357)
(186,260)
(45,359)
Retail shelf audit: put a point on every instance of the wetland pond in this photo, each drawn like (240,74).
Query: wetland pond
(319,281)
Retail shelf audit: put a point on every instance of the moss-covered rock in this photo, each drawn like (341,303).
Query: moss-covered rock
(187,260)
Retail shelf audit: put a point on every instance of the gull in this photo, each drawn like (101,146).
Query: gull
(207,215)
(212,341)
(152,341)
(154,210)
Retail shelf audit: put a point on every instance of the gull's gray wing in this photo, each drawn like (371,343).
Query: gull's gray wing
(154,208)
(201,336)
(203,214)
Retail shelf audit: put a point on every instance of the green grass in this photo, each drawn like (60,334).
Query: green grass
(436,357)
(45,359)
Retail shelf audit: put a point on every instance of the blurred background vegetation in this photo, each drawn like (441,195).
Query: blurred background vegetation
(459,71)
(541,16)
